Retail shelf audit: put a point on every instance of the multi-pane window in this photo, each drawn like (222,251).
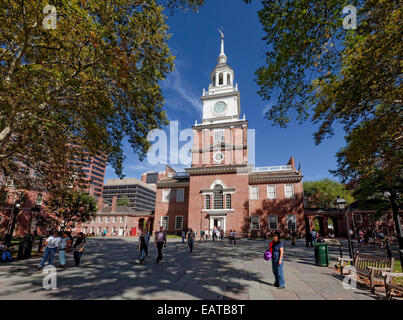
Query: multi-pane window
(254,192)
(115,219)
(228,201)
(107,219)
(289,191)
(255,222)
(92,230)
(113,230)
(100,219)
(371,217)
(164,222)
(178,222)
(218,197)
(121,219)
(383,218)
(92,220)
(218,135)
(271,191)
(166,195)
(358,218)
(39,199)
(99,230)
(180,194)
(208,202)
(273,222)
(291,222)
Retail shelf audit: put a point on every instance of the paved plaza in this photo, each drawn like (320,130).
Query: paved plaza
(215,271)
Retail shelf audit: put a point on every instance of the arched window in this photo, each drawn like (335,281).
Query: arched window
(228,201)
(218,197)
(221,79)
(228,79)
(214,81)
(208,202)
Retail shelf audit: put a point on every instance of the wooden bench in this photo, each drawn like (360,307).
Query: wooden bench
(368,266)
(390,288)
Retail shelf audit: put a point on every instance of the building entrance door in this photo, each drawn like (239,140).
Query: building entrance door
(218,222)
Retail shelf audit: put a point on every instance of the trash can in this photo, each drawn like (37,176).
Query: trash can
(321,254)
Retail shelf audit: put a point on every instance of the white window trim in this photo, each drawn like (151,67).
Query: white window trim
(220,133)
(275,191)
(285,190)
(114,219)
(250,192)
(183,195)
(252,224)
(161,224)
(181,228)
(268,220)
(295,219)
(356,216)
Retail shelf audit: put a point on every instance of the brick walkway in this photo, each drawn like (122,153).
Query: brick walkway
(214,271)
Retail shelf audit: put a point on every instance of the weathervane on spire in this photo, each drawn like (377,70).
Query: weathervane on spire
(222,40)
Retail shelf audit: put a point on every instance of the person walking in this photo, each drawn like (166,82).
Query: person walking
(147,242)
(313,235)
(142,245)
(183,236)
(201,234)
(51,243)
(191,239)
(293,238)
(214,233)
(222,235)
(160,240)
(234,236)
(277,251)
(65,243)
(78,248)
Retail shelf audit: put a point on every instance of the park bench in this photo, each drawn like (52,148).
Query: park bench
(368,266)
(390,288)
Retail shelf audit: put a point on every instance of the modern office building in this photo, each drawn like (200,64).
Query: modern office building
(140,194)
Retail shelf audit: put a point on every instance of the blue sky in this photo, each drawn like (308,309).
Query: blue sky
(196,43)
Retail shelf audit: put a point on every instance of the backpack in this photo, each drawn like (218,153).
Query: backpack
(267,255)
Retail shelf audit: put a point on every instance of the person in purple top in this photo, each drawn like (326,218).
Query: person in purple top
(160,240)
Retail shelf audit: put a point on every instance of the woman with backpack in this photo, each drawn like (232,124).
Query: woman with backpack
(277,251)
(78,248)
(143,245)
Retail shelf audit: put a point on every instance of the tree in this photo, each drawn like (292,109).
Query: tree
(315,68)
(123,201)
(72,207)
(90,82)
(323,193)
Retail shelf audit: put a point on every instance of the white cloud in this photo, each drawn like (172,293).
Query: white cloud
(179,96)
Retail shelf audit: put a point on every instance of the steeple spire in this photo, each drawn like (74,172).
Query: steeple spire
(222,58)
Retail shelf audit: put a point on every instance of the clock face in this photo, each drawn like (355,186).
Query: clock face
(220,107)
(218,157)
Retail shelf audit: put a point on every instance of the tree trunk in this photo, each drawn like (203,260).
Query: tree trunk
(398,227)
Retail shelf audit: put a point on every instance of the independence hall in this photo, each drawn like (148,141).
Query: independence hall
(221,189)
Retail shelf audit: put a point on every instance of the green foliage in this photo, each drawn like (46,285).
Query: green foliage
(123,201)
(72,207)
(90,82)
(315,68)
(323,193)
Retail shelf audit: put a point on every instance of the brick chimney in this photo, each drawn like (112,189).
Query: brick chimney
(114,201)
(291,163)
(100,204)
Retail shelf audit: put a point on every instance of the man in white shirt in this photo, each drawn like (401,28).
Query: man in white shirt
(51,243)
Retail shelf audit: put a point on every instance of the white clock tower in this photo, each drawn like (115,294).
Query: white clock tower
(222,100)
(221,138)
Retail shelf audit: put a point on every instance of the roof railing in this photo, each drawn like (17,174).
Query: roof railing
(272,168)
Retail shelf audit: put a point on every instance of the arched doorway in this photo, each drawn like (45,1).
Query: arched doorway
(318,225)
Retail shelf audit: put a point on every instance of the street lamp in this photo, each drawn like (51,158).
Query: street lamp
(14,211)
(340,204)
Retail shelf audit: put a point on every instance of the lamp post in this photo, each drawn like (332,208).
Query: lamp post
(392,197)
(14,211)
(340,204)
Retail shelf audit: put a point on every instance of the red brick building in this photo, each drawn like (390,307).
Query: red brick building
(221,189)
